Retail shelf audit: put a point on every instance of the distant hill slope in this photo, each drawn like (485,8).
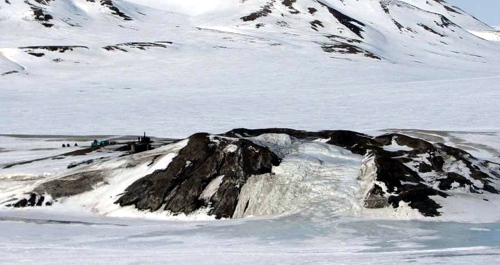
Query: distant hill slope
(217,64)
(393,30)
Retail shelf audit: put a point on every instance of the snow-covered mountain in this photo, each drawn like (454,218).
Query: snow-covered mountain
(396,31)
(238,61)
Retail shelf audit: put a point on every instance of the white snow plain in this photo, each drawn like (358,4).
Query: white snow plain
(58,238)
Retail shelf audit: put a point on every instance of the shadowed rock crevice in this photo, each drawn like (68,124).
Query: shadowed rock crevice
(352,24)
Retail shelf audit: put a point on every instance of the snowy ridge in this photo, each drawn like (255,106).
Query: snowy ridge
(373,29)
(248,173)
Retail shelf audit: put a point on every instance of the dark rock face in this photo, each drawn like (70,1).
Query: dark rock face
(211,170)
(64,187)
(71,185)
(401,170)
(375,198)
(350,23)
(355,142)
(179,187)
(451,177)
(346,48)
(263,12)
(41,16)
(34,200)
(417,197)
(137,45)
(114,10)
(21,203)
(60,49)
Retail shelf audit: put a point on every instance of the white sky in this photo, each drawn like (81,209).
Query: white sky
(487,11)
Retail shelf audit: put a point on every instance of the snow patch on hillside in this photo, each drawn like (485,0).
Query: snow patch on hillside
(487,35)
(188,7)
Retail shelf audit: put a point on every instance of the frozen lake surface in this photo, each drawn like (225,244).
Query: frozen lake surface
(58,238)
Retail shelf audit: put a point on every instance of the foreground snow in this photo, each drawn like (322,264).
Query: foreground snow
(55,238)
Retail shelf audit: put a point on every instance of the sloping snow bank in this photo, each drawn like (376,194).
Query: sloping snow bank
(188,7)
(487,35)
(122,175)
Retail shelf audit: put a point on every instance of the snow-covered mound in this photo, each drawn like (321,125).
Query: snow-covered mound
(273,172)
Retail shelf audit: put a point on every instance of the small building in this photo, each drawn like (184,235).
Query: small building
(142,144)
(102,143)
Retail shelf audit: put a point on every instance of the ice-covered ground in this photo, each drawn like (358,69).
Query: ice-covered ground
(307,95)
(57,238)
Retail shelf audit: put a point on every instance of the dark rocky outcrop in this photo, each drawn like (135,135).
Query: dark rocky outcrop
(401,170)
(71,185)
(41,16)
(355,142)
(351,23)
(137,45)
(33,200)
(40,51)
(263,12)
(211,170)
(67,186)
(114,9)
(417,197)
(179,187)
(346,48)
(52,48)
(375,198)
(289,4)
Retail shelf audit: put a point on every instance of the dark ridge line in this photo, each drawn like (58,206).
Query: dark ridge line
(345,20)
